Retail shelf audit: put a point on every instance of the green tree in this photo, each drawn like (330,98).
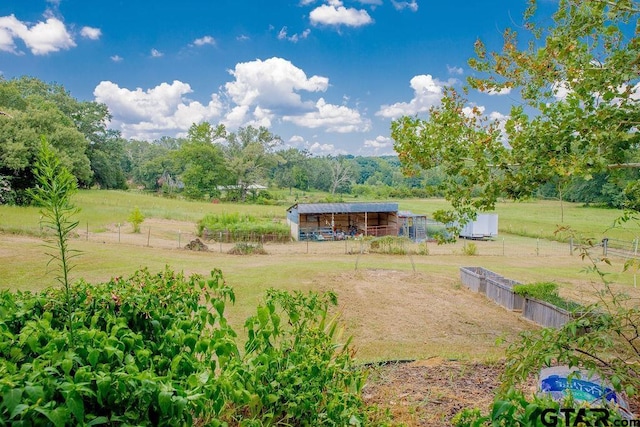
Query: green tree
(249,155)
(203,160)
(578,81)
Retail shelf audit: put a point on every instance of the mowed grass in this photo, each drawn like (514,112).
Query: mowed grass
(396,307)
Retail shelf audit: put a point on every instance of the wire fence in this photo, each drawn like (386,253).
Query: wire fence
(170,235)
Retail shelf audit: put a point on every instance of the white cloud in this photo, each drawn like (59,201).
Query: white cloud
(296,140)
(334,118)
(41,38)
(335,13)
(381,145)
(458,71)
(91,33)
(427,92)
(203,41)
(152,113)
(282,35)
(272,83)
(324,149)
(155,53)
(411,5)
(242,38)
(117,58)
(561,90)
(264,90)
(499,92)
(379,142)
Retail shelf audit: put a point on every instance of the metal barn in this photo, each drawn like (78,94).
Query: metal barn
(331,221)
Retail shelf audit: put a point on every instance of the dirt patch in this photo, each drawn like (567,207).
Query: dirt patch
(419,315)
(430,393)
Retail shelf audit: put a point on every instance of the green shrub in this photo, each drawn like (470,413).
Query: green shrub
(136,218)
(389,245)
(143,352)
(548,292)
(247,249)
(470,249)
(156,349)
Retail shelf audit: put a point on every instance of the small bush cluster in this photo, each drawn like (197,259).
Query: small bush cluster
(239,226)
(247,249)
(548,292)
(156,349)
(470,249)
(389,245)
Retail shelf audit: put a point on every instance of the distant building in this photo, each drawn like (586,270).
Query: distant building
(322,221)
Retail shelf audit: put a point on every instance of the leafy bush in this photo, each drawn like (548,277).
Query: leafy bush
(144,351)
(470,249)
(247,249)
(156,349)
(548,292)
(292,369)
(389,245)
(136,218)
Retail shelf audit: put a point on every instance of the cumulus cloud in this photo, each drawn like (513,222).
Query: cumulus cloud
(282,35)
(381,145)
(41,38)
(427,92)
(152,113)
(411,5)
(334,118)
(91,33)
(379,142)
(263,90)
(273,83)
(117,58)
(203,41)
(334,13)
(155,53)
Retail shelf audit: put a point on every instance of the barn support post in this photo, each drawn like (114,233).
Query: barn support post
(366,224)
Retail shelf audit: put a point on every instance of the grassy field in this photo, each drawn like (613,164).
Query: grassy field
(396,307)
(539,219)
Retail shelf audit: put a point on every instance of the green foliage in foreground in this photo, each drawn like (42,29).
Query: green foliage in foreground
(240,226)
(515,409)
(156,349)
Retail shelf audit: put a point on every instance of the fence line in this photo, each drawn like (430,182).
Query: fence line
(503,245)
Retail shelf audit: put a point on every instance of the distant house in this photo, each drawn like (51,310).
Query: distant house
(322,221)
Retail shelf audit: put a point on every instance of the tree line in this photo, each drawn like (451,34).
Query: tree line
(211,162)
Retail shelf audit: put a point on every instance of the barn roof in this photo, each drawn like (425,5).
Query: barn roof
(320,208)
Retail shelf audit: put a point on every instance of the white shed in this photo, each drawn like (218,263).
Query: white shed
(484,227)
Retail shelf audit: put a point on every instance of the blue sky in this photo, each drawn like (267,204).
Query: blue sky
(325,75)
